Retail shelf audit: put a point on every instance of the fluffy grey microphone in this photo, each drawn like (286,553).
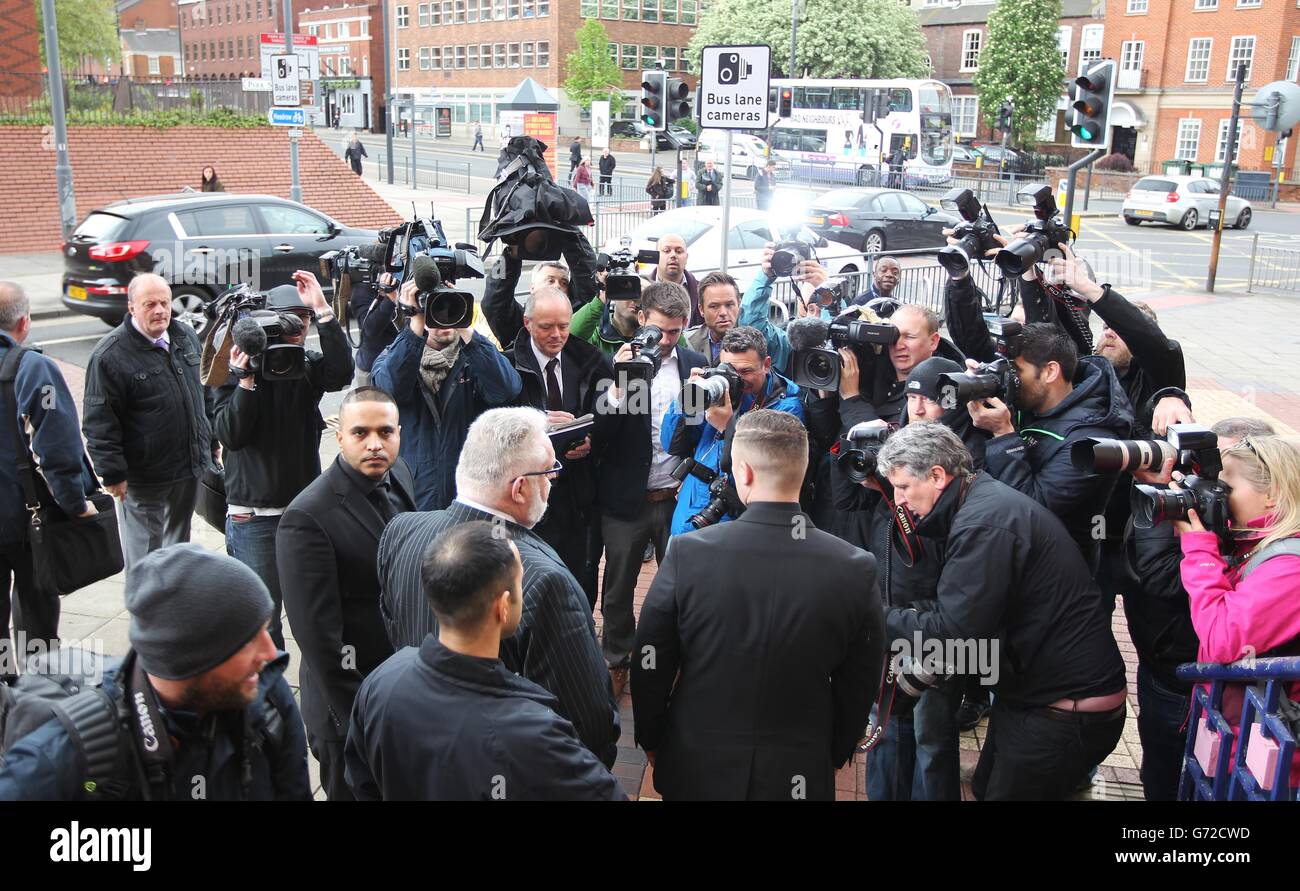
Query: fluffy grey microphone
(249,337)
(425,274)
(807,333)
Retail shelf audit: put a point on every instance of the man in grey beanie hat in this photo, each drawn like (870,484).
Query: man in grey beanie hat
(201,698)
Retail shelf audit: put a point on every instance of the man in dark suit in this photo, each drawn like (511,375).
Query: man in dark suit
(761,641)
(325,548)
(504,476)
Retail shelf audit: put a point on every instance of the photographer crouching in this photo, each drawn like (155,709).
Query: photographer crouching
(699,425)
(267,416)
(1014,585)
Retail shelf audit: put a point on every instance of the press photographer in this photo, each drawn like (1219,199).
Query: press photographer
(700,424)
(577,280)
(442,374)
(360,287)
(1011,579)
(1058,399)
(268,418)
(609,319)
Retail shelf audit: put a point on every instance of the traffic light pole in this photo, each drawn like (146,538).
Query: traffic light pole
(1226,177)
(1069,181)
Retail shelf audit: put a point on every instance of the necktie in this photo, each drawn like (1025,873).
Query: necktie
(553,400)
(161,343)
(382,503)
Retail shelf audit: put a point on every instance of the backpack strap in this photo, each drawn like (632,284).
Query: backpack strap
(1281,547)
(22,451)
(93,723)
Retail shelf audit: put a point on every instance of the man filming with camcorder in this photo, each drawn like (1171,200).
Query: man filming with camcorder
(268,418)
(442,373)
(700,424)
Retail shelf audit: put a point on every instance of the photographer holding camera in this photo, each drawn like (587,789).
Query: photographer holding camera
(1059,400)
(577,280)
(442,379)
(270,427)
(637,491)
(1012,582)
(744,381)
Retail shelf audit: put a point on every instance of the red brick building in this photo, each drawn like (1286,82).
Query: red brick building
(20,52)
(467,54)
(151,45)
(351,44)
(220,38)
(1177,63)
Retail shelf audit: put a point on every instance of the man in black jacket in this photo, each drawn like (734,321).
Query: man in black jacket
(504,476)
(326,548)
(449,720)
(270,432)
(760,646)
(607,165)
(44,416)
(146,419)
(1062,400)
(1015,589)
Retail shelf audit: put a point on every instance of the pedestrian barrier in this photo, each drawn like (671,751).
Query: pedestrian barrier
(1273,267)
(1253,762)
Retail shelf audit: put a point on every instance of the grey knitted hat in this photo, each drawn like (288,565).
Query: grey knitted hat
(192,609)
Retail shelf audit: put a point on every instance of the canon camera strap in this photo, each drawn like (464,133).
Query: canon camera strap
(149,731)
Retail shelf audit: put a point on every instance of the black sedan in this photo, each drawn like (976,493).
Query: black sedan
(200,242)
(638,130)
(873,220)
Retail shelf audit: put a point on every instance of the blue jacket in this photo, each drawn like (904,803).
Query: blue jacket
(481,379)
(45,765)
(754,313)
(45,401)
(679,433)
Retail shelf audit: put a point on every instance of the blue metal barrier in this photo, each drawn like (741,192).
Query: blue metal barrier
(1230,777)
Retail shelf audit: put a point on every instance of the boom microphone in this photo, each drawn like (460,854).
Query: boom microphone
(807,333)
(425,274)
(249,337)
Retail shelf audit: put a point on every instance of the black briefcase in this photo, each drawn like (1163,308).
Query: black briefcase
(210,500)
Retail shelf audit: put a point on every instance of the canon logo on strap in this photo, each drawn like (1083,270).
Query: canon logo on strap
(146,723)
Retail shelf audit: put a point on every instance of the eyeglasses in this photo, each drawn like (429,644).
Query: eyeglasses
(1245,441)
(549,474)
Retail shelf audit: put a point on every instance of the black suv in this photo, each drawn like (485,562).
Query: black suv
(638,130)
(200,242)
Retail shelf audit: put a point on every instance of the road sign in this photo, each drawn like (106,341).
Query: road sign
(284,80)
(287,117)
(734,87)
(600,124)
(255,84)
(295,134)
(305,48)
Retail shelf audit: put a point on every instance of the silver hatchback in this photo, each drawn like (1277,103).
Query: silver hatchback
(1183,201)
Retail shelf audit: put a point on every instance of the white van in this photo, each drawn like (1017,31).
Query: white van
(748,153)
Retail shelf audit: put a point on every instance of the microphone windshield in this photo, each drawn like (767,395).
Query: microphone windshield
(372,252)
(249,337)
(807,333)
(424,271)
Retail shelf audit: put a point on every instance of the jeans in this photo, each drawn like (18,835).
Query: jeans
(1162,713)
(1028,756)
(918,758)
(251,541)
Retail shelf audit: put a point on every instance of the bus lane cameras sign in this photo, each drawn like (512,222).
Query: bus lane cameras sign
(734,87)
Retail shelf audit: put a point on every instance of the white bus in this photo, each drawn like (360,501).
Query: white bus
(825,136)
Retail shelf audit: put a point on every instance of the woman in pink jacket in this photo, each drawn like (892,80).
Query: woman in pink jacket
(1257,616)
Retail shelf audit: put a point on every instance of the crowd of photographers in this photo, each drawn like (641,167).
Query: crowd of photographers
(862,528)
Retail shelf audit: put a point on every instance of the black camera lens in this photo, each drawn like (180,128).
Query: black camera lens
(785,262)
(712,513)
(857,465)
(283,361)
(1021,254)
(1153,505)
(822,367)
(448,309)
(955,259)
(1124,455)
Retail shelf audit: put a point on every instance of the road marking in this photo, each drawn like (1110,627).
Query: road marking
(1184,280)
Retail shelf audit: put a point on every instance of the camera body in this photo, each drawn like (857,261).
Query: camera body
(350,262)
(261,331)
(732,69)
(818,367)
(1042,234)
(788,254)
(711,388)
(621,280)
(857,461)
(723,500)
(441,306)
(646,356)
(974,234)
(999,379)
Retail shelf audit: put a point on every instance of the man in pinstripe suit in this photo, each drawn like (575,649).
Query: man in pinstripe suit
(504,476)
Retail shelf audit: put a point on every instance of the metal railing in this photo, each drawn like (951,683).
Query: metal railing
(25,98)
(1273,267)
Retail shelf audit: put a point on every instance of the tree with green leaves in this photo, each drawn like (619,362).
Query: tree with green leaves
(87,30)
(865,38)
(591,73)
(1021,63)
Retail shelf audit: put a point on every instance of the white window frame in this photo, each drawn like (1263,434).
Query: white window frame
(1221,143)
(1249,4)
(966,50)
(1203,64)
(404,19)
(1064,34)
(1205,5)
(155,65)
(403,58)
(1189,130)
(1293,60)
(543,54)
(424,56)
(1089,47)
(1231,76)
(1137,7)
(965,116)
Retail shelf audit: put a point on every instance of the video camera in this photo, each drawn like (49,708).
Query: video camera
(1195,451)
(710,388)
(858,461)
(974,234)
(621,279)
(1044,233)
(816,363)
(259,323)
(419,250)
(646,356)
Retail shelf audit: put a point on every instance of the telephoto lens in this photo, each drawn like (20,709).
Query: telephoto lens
(1124,455)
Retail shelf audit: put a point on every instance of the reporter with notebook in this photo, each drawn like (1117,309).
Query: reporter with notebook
(560,375)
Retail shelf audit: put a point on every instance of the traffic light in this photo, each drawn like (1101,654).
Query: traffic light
(786,102)
(1004,117)
(653,87)
(677,96)
(1093,93)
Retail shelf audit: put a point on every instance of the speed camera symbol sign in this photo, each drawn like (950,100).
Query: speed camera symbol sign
(734,86)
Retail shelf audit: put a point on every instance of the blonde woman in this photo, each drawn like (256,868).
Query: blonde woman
(1247,603)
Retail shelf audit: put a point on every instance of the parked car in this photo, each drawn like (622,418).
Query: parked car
(750,230)
(638,130)
(1015,162)
(874,220)
(1183,201)
(965,154)
(199,242)
(749,154)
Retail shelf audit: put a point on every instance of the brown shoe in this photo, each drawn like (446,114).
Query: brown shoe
(618,677)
